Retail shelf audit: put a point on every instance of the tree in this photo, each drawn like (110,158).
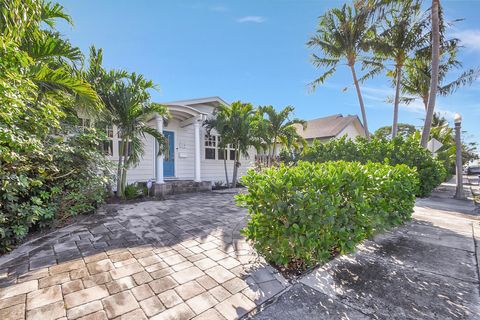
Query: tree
(344,34)
(234,123)
(129,108)
(404,130)
(434,74)
(402,35)
(416,83)
(277,128)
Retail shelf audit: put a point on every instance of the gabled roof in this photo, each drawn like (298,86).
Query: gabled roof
(189,102)
(327,127)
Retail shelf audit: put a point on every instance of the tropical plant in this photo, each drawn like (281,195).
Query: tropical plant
(234,124)
(403,129)
(402,36)
(129,108)
(345,34)
(277,127)
(435,50)
(304,214)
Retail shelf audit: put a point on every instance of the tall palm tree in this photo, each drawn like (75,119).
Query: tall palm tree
(344,34)
(416,83)
(279,128)
(234,123)
(402,35)
(434,74)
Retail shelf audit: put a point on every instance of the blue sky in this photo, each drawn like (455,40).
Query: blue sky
(252,51)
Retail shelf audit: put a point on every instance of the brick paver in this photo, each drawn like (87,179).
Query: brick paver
(181,258)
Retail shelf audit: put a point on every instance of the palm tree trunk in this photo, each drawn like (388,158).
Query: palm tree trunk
(119,170)
(124,168)
(235,169)
(434,77)
(225,154)
(360,100)
(274,153)
(397,101)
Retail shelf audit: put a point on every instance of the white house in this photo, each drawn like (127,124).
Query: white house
(192,154)
(334,126)
(193,160)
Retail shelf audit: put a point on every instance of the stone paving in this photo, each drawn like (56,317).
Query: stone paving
(182,258)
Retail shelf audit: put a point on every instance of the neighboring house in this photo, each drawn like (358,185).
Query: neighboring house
(192,154)
(331,127)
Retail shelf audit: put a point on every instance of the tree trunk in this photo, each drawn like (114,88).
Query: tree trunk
(360,100)
(119,170)
(225,154)
(235,169)
(434,77)
(124,168)
(274,153)
(397,101)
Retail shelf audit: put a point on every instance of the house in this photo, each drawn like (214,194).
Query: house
(193,159)
(334,126)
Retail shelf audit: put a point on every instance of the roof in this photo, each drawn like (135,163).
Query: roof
(190,102)
(326,127)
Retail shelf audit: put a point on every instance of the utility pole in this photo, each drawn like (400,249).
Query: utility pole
(459,194)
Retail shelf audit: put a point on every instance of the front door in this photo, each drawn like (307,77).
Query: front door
(169,156)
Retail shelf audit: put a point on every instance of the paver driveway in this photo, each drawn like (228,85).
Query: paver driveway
(176,259)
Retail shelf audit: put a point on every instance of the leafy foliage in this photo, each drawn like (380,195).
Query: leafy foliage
(44,177)
(431,172)
(304,214)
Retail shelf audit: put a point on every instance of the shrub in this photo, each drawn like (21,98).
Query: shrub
(302,214)
(407,151)
(44,182)
(135,191)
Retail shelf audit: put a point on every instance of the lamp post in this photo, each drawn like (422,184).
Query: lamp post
(458,143)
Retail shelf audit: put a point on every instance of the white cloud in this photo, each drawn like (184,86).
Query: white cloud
(254,19)
(219,8)
(470,38)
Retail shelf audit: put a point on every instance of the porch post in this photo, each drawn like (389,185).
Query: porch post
(159,158)
(197,151)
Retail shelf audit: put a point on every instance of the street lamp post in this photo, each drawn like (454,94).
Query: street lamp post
(458,143)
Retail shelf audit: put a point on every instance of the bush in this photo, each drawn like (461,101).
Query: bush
(302,214)
(44,182)
(135,191)
(431,171)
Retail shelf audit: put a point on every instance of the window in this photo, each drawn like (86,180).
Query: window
(232,154)
(84,123)
(108,147)
(210,146)
(109,131)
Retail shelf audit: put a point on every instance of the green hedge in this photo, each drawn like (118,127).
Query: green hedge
(431,172)
(302,214)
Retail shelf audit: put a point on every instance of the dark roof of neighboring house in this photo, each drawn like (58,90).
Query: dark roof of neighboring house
(326,127)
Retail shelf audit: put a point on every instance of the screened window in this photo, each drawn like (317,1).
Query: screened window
(129,147)
(210,147)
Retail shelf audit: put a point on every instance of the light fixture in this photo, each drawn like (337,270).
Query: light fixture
(457,118)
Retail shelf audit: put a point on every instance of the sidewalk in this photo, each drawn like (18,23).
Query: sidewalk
(427,269)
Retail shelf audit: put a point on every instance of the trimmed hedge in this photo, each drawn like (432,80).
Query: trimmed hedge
(431,171)
(304,214)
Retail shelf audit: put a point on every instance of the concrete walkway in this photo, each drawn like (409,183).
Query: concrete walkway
(427,269)
(182,258)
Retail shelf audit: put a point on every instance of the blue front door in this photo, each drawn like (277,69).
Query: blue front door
(169,156)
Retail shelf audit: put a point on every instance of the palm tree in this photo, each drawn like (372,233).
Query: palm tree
(403,34)
(279,128)
(52,60)
(416,83)
(234,123)
(344,34)
(434,74)
(128,107)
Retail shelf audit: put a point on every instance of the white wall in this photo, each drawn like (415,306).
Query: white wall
(351,131)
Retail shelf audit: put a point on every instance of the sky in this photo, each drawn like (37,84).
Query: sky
(255,51)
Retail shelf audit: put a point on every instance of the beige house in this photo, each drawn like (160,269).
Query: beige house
(335,126)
